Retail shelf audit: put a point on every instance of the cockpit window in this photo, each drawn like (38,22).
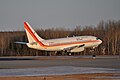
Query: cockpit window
(97,38)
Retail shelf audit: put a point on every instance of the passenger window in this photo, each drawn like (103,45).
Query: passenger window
(78,39)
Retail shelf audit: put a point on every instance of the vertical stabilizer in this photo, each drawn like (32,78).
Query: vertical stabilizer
(31,34)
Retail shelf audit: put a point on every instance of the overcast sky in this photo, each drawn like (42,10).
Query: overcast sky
(56,13)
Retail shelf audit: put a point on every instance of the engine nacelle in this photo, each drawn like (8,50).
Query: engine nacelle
(77,49)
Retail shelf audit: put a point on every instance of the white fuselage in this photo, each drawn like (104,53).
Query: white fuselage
(61,43)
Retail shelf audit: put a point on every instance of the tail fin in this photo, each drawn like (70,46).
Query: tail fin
(31,34)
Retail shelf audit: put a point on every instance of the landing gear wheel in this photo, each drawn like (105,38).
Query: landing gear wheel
(69,53)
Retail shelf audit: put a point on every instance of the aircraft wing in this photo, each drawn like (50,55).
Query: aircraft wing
(74,48)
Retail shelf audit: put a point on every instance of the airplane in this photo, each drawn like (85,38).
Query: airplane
(69,44)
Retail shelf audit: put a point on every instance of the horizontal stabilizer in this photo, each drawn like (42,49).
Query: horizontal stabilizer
(21,42)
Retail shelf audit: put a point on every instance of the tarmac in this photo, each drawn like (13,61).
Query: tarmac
(58,65)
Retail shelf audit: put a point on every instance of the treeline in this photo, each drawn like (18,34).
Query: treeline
(108,32)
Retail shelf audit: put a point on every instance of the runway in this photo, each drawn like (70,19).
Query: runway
(60,65)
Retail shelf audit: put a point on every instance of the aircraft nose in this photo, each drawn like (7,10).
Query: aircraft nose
(100,41)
